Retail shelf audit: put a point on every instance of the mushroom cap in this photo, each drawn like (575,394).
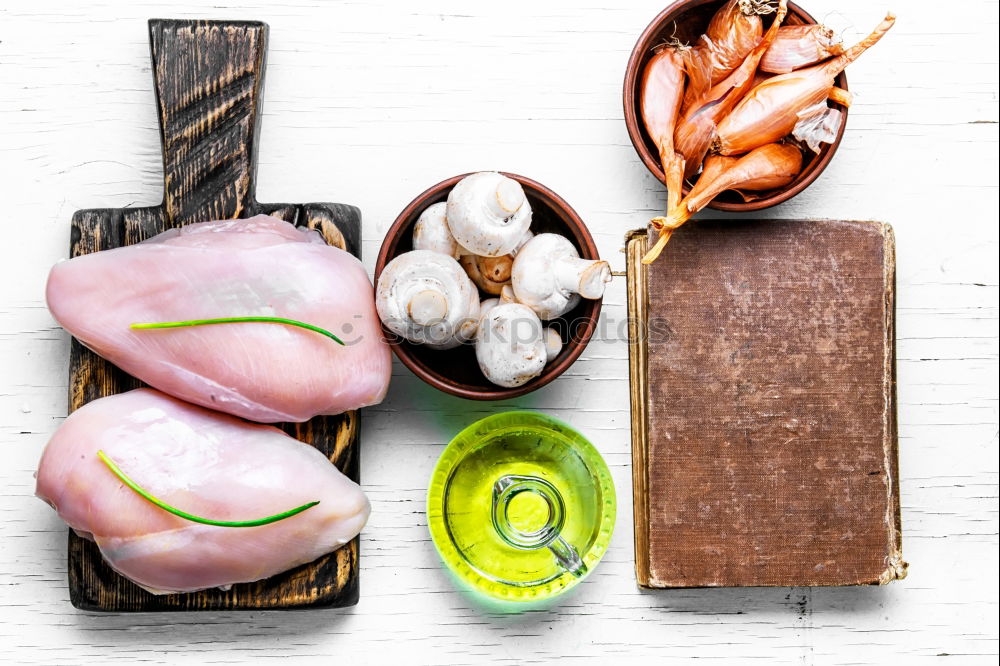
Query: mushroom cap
(525,237)
(488,213)
(486,305)
(426,298)
(535,281)
(553,344)
(510,346)
(431,232)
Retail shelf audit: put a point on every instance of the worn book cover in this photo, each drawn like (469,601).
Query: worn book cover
(762,363)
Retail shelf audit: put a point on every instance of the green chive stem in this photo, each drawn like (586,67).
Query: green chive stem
(236,320)
(197,519)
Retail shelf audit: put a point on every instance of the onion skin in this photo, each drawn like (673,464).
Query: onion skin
(818,125)
(798,46)
(697,127)
(771,110)
(732,33)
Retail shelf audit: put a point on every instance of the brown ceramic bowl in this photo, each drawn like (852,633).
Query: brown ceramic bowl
(456,371)
(686,20)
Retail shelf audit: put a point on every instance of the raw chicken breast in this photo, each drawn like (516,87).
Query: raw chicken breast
(208,464)
(261,266)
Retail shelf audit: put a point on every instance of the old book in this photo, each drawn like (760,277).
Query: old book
(762,364)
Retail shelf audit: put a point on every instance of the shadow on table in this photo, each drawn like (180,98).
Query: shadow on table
(672,606)
(722,600)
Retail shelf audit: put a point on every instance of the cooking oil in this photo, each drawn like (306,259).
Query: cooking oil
(521,507)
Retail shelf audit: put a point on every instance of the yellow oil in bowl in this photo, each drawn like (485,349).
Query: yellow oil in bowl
(521,507)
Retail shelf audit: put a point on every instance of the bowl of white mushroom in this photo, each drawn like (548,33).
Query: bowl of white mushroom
(489,285)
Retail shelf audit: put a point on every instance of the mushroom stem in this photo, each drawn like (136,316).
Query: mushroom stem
(489,273)
(497,269)
(427,307)
(586,277)
(508,199)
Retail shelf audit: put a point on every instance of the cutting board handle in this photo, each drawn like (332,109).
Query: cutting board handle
(209,77)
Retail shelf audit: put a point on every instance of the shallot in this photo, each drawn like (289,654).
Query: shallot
(662,91)
(798,46)
(774,108)
(767,167)
(696,129)
(732,33)
(752,103)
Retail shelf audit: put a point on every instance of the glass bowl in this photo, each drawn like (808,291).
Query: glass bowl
(521,507)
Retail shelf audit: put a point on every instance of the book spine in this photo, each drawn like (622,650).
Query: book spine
(635,247)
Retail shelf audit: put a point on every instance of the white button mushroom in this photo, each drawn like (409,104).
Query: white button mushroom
(486,305)
(510,346)
(549,276)
(553,344)
(525,237)
(488,213)
(427,298)
(431,232)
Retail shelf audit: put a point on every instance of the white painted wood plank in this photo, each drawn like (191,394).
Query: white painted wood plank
(371,102)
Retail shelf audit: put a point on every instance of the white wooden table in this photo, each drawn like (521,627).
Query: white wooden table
(369,102)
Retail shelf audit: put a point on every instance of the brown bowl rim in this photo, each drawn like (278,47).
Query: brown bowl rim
(578,342)
(637,134)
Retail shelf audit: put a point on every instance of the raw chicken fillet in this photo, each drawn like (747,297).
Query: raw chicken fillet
(260,266)
(208,464)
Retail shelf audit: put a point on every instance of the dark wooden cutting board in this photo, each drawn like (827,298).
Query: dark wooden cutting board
(208,77)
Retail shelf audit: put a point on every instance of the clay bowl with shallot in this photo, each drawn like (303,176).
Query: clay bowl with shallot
(685,21)
(456,371)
